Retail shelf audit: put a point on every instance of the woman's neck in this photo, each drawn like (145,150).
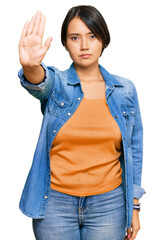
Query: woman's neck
(90,73)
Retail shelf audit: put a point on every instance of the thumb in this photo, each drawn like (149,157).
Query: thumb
(129,233)
(46,45)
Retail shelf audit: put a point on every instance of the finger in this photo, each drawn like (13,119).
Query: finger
(134,234)
(42,26)
(46,46)
(30,26)
(129,233)
(24,31)
(36,22)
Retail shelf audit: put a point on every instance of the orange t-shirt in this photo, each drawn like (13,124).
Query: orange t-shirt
(85,152)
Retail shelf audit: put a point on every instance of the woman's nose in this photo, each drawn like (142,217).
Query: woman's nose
(84,44)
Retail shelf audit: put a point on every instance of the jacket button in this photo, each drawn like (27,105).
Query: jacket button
(111,88)
(54,131)
(62,103)
(69,113)
(79,98)
(116,117)
(45,197)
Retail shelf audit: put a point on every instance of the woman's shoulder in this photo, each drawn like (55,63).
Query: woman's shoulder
(118,80)
(128,85)
(124,81)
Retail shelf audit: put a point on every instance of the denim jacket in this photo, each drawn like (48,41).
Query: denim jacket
(60,95)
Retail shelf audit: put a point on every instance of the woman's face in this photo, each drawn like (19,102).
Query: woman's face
(83,46)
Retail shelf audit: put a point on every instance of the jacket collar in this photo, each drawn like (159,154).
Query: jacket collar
(110,81)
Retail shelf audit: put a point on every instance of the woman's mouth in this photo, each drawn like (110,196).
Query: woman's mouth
(85,56)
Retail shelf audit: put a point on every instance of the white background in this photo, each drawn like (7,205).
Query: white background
(136,52)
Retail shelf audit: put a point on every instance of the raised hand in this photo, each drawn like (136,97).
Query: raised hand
(31,49)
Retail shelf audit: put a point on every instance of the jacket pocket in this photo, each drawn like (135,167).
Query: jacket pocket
(129,113)
(58,103)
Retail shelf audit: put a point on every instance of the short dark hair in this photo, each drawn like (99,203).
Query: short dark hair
(92,18)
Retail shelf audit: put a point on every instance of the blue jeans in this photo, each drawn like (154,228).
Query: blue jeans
(100,217)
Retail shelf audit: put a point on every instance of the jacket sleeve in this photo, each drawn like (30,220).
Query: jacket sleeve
(137,149)
(43,90)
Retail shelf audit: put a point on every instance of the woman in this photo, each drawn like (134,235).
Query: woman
(85,180)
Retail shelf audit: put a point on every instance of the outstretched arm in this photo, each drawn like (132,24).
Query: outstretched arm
(31,49)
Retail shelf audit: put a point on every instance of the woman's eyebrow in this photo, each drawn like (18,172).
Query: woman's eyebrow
(77,34)
(70,34)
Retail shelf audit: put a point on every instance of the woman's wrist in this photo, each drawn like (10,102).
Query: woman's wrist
(136,205)
(135,201)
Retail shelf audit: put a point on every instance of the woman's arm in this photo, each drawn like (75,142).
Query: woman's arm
(135,227)
(34,76)
(31,50)
(137,154)
(137,149)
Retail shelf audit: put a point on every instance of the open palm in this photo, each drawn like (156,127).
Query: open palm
(31,49)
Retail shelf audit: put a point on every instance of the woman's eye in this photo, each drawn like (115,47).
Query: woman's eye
(74,38)
(92,36)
